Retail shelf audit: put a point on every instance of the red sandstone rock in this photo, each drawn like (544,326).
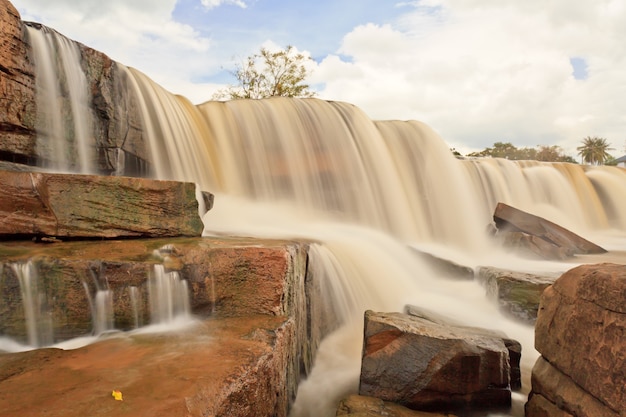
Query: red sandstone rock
(17,89)
(580,332)
(428,366)
(63,205)
(232,367)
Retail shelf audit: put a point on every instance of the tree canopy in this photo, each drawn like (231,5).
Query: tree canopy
(269,74)
(594,150)
(509,151)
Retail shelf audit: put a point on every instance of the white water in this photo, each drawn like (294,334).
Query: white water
(38,322)
(66,133)
(169,296)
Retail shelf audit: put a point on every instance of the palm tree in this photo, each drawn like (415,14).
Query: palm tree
(594,150)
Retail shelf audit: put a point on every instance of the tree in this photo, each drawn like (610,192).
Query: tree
(594,150)
(509,151)
(269,74)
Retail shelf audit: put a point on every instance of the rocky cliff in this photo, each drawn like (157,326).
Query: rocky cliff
(118,142)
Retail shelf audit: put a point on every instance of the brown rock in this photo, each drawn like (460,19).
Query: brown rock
(63,205)
(426,366)
(558,241)
(361,406)
(231,367)
(552,387)
(17,90)
(580,331)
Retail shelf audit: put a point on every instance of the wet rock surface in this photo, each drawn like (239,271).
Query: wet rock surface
(580,332)
(227,367)
(424,365)
(254,338)
(517,293)
(537,236)
(88,206)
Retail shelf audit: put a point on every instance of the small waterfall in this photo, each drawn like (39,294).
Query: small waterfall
(100,302)
(169,296)
(64,123)
(39,328)
(135,302)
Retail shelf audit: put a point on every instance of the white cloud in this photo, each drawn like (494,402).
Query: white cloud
(211,4)
(481,71)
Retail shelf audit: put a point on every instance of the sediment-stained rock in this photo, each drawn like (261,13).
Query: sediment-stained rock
(428,366)
(88,206)
(580,332)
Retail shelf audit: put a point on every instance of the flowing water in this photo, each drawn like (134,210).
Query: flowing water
(370,193)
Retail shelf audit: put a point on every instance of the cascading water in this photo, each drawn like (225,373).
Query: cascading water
(368,193)
(169,296)
(64,122)
(38,321)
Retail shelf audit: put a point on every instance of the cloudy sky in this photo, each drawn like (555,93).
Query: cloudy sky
(529,72)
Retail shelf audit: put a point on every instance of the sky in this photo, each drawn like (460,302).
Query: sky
(529,72)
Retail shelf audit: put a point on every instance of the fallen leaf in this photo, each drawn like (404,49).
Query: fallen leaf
(117,395)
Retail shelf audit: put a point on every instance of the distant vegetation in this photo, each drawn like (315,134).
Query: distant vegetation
(269,74)
(509,151)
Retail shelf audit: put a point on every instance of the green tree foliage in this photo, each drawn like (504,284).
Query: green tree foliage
(508,151)
(268,74)
(594,150)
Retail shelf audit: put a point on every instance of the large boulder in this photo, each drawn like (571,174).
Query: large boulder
(425,365)
(580,332)
(88,206)
(17,90)
(539,236)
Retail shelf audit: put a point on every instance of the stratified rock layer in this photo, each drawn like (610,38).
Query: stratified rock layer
(63,205)
(424,365)
(17,89)
(257,335)
(580,333)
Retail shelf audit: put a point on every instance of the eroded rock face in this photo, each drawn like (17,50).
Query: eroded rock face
(539,236)
(428,366)
(580,332)
(60,205)
(17,90)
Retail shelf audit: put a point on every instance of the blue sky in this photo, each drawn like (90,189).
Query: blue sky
(478,71)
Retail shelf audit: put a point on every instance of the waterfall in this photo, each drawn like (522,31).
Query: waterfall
(169,296)
(64,121)
(366,192)
(38,322)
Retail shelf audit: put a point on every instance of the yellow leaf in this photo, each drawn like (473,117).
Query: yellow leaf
(117,395)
